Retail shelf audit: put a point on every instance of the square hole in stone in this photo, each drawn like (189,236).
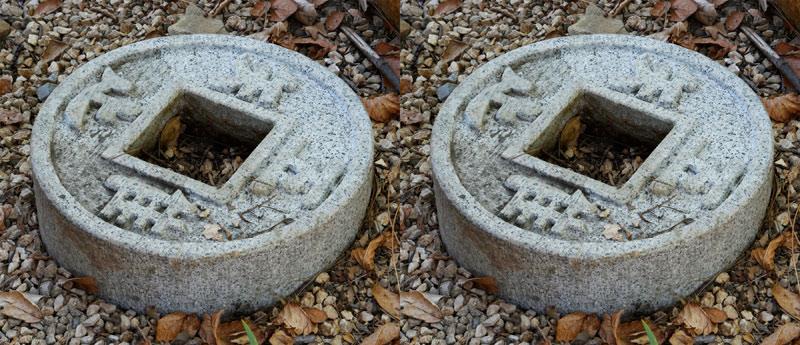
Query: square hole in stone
(600,138)
(213,139)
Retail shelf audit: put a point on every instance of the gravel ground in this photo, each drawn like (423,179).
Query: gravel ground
(491,28)
(88,29)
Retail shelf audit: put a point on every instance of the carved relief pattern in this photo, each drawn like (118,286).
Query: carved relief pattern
(145,209)
(256,84)
(658,84)
(108,97)
(511,97)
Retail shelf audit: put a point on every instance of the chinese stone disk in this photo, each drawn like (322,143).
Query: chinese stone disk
(110,205)
(553,236)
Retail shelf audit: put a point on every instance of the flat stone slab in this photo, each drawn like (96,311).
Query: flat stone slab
(151,235)
(552,236)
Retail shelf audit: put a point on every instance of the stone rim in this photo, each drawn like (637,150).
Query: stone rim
(49,182)
(469,208)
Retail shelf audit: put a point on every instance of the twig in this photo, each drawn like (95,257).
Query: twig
(373,57)
(220,7)
(651,209)
(620,7)
(773,57)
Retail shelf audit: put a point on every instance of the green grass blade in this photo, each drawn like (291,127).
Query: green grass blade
(251,338)
(651,338)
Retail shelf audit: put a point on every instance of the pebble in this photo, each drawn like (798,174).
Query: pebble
(44,91)
(444,91)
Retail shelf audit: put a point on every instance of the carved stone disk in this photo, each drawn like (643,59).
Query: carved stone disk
(551,235)
(153,235)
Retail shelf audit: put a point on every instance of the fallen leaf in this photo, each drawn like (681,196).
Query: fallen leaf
(695,318)
(660,8)
(88,284)
(488,284)
(681,338)
(213,232)
(782,108)
(233,333)
(788,300)
(568,139)
(383,48)
(706,13)
(295,319)
(680,10)
(53,50)
(281,338)
(571,325)
(613,232)
(209,329)
(260,8)
(320,47)
(734,20)
(168,139)
(388,300)
(382,108)
(306,12)
(454,49)
(282,9)
(171,325)
(447,6)
(315,315)
(47,6)
(633,332)
(333,20)
(766,256)
(783,335)
(10,116)
(6,85)
(609,329)
(366,256)
(385,334)
(790,8)
(720,47)
(414,304)
(17,305)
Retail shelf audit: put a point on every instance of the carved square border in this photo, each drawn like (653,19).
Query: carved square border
(555,115)
(157,114)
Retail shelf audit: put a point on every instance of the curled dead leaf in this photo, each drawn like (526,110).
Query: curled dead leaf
(366,256)
(783,335)
(209,329)
(88,284)
(53,50)
(446,7)
(388,300)
(281,338)
(717,47)
(788,300)
(680,10)
(333,20)
(488,284)
(385,334)
(315,315)
(20,306)
(282,9)
(609,329)
(260,8)
(454,49)
(660,8)
(571,325)
(734,20)
(168,139)
(382,108)
(766,256)
(681,338)
(699,320)
(782,108)
(295,319)
(568,139)
(46,6)
(415,304)
(171,325)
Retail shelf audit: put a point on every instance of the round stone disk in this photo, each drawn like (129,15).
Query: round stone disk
(679,154)
(200,172)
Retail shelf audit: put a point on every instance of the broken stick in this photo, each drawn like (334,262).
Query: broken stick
(373,57)
(773,57)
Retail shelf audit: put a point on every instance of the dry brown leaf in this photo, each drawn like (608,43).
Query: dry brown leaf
(454,49)
(333,20)
(315,315)
(633,333)
(295,319)
(233,333)
(260,8)
(706,12)
(46,6)
(366,256)
(446,7)
(681,338)
(783,335)
(53,50)
(318,47)
(571,325)
(6,85)
(209,329)
(488,284)
(385,334)
(734,20)
(782,108)
(388,300)
(281,9)
(718,47)
(791,8)
(281,338)
(382,108)
(306,12)
(680,10)
(568,140)
(415,304)
(19,306)
(610,330)
(10,116)
(766,256)
(695,319)
(171,325)
(788,300)
(88,284)
(660,8)
(168,139)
